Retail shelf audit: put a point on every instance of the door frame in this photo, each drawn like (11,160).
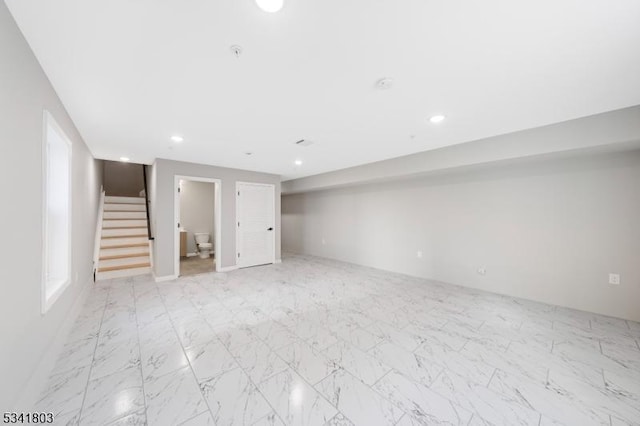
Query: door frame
(217,219)
(273,188)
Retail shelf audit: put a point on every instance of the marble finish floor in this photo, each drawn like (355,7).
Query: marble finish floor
(194,265)
(318,342)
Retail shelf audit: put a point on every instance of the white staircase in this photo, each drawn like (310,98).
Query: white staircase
(124,244)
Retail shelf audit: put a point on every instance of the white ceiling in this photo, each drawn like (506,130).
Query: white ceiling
(134,72)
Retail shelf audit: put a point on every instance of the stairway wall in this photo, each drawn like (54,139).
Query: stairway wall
(123,179)
(28,337)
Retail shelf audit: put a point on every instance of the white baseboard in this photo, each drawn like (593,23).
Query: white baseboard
(165,278)
(38,380)
(227,268)
(278,261)
(192,254)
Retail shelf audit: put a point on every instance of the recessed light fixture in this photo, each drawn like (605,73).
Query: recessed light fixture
(437,119)
(236,50)
(384,83)
(298,162)
(177,139)
(270,6)
(248,153)
(124,159)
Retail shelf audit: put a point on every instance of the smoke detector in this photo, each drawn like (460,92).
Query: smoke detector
(304,142)
(236,50)
(384,83)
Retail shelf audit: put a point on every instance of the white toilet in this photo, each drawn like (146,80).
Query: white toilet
(204,246)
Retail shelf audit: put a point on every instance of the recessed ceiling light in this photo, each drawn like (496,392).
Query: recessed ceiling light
(248,153)
(270,6)
(384,83)
(236,50)
(437,118)
(124,159)
(177,139)
(298,162)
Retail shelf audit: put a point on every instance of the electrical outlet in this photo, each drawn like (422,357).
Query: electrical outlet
(614,279)
(419,254)
(482,270)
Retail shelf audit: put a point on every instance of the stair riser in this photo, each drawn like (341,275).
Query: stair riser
(122,251)
(120,223)
(100,276)
(121,241)
(125,215)
(127,207)
(124,261)
(124,200)
(123,232)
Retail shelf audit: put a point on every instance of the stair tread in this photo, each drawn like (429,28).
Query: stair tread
(121,267)
(125,246)
(110,237)
(125,227)
(124,256)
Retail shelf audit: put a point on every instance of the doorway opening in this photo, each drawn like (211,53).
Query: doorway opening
(197,239)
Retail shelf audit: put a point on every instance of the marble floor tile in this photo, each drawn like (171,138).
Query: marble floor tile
(160,359)
(258,360)
(64,393)
(173,398)
(233,399)
(203,419)
(421,402)
(360,364)
(210,360)
(317,341)
(313,366)
(357,401)
(114,355)
(295,401)
(76,354)
(111,397)
(553,405)
(402,338)
(490,406)
(408,363)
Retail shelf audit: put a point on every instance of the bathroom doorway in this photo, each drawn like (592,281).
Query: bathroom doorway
(197,237)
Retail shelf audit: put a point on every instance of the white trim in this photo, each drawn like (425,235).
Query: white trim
(273,225)
(96,246)
(217,217)
(228,268)
(40,375)
(164,278)
(47,302)
(192,254)
(278,261)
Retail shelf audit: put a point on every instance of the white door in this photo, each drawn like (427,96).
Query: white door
(255,213)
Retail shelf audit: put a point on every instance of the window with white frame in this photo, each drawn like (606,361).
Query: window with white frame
(57,212)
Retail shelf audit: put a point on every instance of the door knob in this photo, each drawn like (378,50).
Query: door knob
(269,229)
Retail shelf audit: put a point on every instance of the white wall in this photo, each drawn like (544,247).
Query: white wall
(162,210)
(548,230)
(197,200)
(608,131)
(26,334)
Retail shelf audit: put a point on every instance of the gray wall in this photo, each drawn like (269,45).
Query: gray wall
(197,200)
(162,209)
(25,333)
(547,230)
(123,179)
